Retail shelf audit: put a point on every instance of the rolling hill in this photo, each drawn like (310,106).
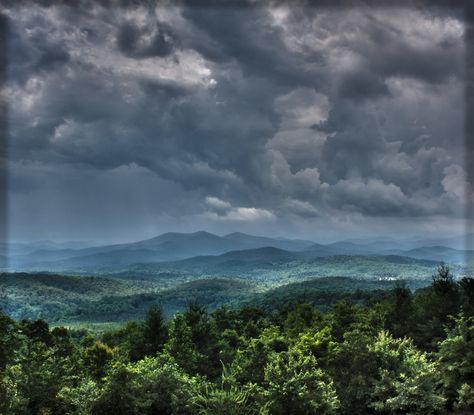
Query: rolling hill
(68,300)
(61,298)
(47,296)
(271,266)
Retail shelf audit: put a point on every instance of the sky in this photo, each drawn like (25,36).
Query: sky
(295,121)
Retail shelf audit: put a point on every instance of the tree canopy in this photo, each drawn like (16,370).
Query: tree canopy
(401,353)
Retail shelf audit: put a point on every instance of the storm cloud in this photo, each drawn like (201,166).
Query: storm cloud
(300,121)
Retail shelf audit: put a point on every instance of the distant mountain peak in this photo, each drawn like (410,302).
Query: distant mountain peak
(167,235)
(202,233)
(230,235)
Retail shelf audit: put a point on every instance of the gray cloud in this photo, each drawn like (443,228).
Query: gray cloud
(146,41)
(297,117)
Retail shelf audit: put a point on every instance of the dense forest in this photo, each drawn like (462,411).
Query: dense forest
(393,352)
(64,300)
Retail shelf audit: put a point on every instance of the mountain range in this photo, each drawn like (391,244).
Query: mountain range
(169,247)
(165,247)
(206,248)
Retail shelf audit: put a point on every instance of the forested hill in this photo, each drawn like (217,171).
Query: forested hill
(394,352)
(69,300)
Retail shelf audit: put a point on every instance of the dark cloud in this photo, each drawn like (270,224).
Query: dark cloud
(51,58)
(265,115)
(362,86)
(143,42)
(248,36)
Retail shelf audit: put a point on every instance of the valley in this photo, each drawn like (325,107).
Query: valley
(78,285)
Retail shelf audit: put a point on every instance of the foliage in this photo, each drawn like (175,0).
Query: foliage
(228,397)
(151,386)
(456,357)
(377,352)
(251,360)
(295,384)
(408,381)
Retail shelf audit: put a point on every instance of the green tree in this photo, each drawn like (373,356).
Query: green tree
(180,344)
(37,331)
(9,340)
(129,338)
(467,289)
(36,377)
(319,344)
(301,317)
(343,315)
(408,380)
(400,313)
(61,342)
(433,307)
(446,291)
(154,385)
(250,361)
(118,397)
(228,397)
(80,398)
(228,343)
(96,358)
(456,359)
(294,384)
(353,368)
(10,400)
(204,338)
(154,330)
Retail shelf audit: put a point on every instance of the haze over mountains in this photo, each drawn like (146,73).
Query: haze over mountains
(70,282)
(173,247)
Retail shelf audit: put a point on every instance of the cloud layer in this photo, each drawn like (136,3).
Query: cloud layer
(268,118)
